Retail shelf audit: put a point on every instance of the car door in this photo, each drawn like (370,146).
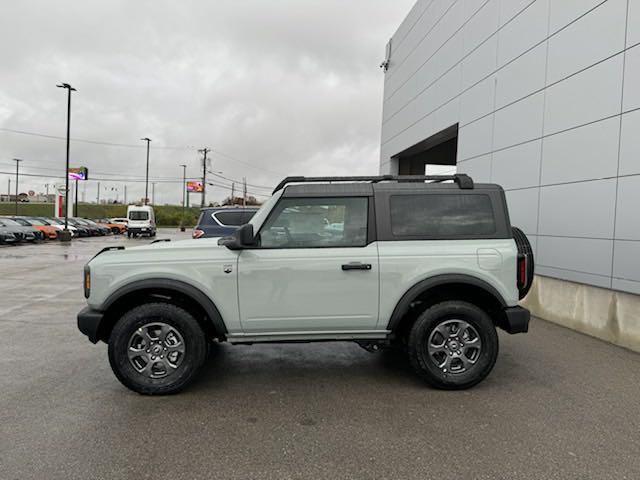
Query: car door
(315,269)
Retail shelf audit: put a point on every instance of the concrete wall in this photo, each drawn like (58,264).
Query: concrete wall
(599,312)
(547,97)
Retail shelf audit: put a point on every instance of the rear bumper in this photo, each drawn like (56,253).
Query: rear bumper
(516,320)
(89,321)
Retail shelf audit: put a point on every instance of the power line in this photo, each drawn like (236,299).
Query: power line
(131,145)
(240,181)
(121,180)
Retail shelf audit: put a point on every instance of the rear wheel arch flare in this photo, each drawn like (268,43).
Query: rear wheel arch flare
(446,287)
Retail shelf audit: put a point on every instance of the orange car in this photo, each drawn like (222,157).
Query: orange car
(50,232)
(116,228)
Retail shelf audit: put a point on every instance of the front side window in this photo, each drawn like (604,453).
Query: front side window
(442,216)
(316,222)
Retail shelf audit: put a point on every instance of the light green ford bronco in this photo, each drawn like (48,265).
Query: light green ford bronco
(428,264)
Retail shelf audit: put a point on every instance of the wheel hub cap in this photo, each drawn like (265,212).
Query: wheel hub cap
(454,346)
(156,350)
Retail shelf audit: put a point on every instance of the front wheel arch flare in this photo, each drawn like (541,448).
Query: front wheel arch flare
(126,297)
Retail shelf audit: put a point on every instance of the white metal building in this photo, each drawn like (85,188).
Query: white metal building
(542,97)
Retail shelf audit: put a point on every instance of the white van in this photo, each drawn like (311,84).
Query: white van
(141,221)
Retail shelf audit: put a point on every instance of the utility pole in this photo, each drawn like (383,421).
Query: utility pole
(9,190)
(146,182)
(184,194)
(76,199)
(98,196)
(17,160)
(204,151)
(125,194)
(69,88)
(244,191)
(153,193)
(233,192)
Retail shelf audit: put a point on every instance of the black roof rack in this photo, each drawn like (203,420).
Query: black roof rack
(462,180)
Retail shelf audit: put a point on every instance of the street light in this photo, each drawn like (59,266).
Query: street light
(67,235)
(17,160)
(146,182)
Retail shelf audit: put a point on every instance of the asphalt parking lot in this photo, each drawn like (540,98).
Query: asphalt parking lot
(559,405)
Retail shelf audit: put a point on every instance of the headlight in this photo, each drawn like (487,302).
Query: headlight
(87,281)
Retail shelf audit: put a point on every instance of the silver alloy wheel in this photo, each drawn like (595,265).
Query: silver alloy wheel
(454,346)
(156,350)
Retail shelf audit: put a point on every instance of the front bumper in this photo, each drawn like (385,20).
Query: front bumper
(515,320)
(89,321)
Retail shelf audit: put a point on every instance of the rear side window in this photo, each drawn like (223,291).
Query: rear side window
(231,218)
(442,216)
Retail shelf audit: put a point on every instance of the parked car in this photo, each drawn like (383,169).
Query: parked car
(116,228)
(221,221)
(7,235)
(49,232)
(22,233)
(141,221)
(93,228)
(434,269)
(120,220)
(59,224)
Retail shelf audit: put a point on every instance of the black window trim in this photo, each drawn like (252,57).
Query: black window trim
(371,222)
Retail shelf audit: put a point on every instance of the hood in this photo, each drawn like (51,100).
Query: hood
(204,249)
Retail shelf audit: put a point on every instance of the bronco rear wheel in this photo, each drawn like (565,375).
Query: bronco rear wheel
(157,349)
(453,345)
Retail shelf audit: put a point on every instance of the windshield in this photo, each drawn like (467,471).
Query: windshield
(258,219)
(35,222)
(138,215)
(9,222)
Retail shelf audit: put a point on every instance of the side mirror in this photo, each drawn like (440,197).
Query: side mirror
(241,238)
(245,235)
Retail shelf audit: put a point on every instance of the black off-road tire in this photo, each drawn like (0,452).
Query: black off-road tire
(183,322)
(426,367)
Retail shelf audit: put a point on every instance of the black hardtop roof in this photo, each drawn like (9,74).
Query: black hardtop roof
(298,186)
(228,208)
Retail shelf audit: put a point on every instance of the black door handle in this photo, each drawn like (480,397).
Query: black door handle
(356,266)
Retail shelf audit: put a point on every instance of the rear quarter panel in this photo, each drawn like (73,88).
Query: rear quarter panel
(405,263)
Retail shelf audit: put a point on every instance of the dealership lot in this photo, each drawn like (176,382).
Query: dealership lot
(558,404)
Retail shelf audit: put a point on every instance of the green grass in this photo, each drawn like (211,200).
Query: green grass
(166,215)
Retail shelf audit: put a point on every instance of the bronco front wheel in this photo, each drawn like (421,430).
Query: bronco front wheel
(453,345)
(156,349)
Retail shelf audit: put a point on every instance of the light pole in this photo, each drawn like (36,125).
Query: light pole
(67,235)
(184,192)
(204,151)
(146,182)
(17,160)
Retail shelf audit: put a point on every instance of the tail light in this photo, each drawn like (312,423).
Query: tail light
(197,233)
(522,271)
(87,281)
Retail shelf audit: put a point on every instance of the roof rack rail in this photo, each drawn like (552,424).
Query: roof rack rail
(462,180)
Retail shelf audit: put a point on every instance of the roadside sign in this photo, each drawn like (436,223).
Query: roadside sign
(194,187)
(79,173)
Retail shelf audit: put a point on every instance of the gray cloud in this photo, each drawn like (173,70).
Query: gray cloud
(291,87)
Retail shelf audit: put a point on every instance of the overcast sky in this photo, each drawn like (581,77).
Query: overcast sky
(282,87)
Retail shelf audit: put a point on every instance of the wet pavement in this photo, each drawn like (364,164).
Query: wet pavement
(558,405)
